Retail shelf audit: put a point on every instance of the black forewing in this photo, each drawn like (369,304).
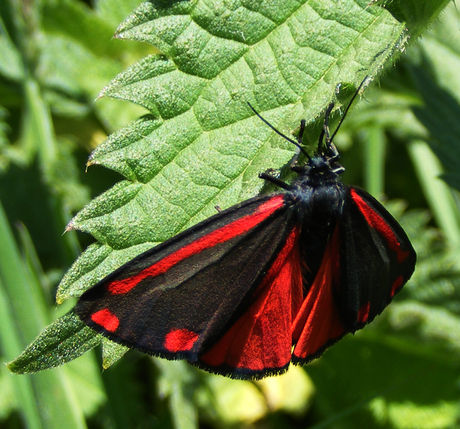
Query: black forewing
(203,293)
(372,268)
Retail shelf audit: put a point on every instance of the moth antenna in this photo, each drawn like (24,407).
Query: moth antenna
(295,143)
(325,131)
(348,107)
(301,131)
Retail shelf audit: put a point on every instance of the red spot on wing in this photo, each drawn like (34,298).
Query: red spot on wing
(180,340)
(379,224)
(106,319)
(318,323)
(227,232)
(261,337)
(397,285)
(363,313)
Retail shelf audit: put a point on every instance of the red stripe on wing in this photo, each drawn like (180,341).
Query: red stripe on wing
(318,324)
(261,340)
(379,224)
(363,313)
(397,285)
(179,340)
(106,319)
(231,230)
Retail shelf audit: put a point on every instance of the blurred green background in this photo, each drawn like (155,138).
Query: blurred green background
(401,143)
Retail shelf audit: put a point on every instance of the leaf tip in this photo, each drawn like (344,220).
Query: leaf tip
(119,33)
(91,161)
(102,94)
(15,366)
(70,226)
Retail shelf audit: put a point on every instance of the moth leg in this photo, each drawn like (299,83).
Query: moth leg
(293,163)
(278,182)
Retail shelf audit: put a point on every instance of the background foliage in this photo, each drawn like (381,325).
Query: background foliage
(55,56)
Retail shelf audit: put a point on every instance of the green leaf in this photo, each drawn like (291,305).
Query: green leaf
(416,14)
(439,114)
(10,59)
(64,340)
(111,352)
(78,38)
(202,146)
(23,312)
(436,324)
(443,203)
(408,382)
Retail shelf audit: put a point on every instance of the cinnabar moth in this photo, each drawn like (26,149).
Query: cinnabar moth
(275,279)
